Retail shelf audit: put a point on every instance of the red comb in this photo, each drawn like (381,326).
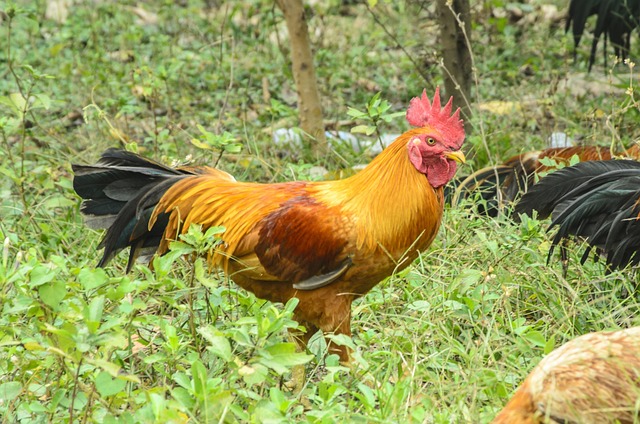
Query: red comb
(423,113)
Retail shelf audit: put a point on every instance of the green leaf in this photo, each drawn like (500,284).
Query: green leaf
(162,264)
(282,356)
(254,374)
(156,357)
(550,162)
(213,232)
(368,397)
(19,304)
(53,293)
(19,102)
(290,306)
(372,3)
(200,271)
(355,113)
(9,391)
(363,129)
(92,278)
(199,144)
(42,100)
(218,344)
(279,399)
(94,313)
(419,305)
(574,160)
(183,397)
(233,148)
(6,100)
(390,116)
(171,337)
(536,338)
(373,104)
(469,277)
(182,379)
(199,375)
(550,345)
(56,49)
(203,131)
(109,386)
(342,340)
(40,275)
(37,408)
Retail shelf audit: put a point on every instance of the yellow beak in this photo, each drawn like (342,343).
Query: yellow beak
(456,155)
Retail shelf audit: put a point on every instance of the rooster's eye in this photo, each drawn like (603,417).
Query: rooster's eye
(430,141)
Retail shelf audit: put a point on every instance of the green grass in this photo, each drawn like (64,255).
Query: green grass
(446,340)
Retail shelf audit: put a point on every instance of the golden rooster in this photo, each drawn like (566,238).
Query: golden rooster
(325,243)
(593,379)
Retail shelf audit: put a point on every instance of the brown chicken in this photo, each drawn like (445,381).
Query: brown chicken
(498,186)
(593,379)
(325,243)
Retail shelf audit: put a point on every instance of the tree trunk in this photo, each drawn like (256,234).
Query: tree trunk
(304,74)
(455,32)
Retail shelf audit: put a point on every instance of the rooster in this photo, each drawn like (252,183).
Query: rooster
(500,185)
(616,20)
(592,379)
(324,243)
(579,12)
(597,201)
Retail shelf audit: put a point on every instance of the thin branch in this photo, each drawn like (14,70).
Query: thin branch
(426,77)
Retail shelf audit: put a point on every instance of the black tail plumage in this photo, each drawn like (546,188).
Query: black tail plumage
(597,201)
(119,194)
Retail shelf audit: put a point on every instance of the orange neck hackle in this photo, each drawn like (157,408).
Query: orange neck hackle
(393,201)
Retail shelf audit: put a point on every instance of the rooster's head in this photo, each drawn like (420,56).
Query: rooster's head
(434,146)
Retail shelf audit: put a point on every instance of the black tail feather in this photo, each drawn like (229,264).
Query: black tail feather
(596,201)
(119,193)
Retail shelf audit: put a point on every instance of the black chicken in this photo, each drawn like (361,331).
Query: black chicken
(579,12)
(494,187)
(597,201)
(616,20)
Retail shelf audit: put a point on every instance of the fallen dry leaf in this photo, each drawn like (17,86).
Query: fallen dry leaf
(144,16)
(57,10)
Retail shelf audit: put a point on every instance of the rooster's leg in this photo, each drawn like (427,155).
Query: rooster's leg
(333,318)
(302,340)
(564,258)
(342,325)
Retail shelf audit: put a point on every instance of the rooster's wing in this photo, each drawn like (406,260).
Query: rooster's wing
(275,232)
